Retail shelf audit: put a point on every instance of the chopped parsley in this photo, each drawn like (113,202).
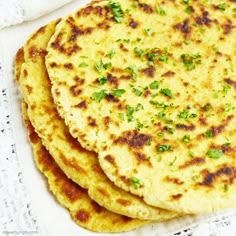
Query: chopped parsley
(226,144)
(191,154)
(163,58)
(152,55)
(121,116)
(137,92)
(99,66)
(111,54)
(162,105)
(107,65)
(215,153)
(154,85)
(167,92)
(139,107)
(139,125)
(162,115)
(102,80)
(207,107)
(190,61)
(136,182)
(117,12)
(138,52)
(222,6)
(98,96)
(83,64)
(185,115)
(186,139)
(188,10)
(117,92)
(226,188)
(172,162)
(186,1)
(163,148)
(169,129)
(160,11)
(208,134)
(148,31)
(129,113)
(133,70)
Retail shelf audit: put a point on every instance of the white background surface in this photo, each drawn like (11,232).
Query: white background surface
(46,216)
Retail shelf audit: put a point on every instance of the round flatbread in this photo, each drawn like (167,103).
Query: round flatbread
(150,86)
(77,163)
(84,211)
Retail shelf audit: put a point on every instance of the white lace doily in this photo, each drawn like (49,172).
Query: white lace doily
(12,12)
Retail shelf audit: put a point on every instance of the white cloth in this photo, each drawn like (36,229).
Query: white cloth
(16,11)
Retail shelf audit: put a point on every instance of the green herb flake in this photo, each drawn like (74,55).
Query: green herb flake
(121,116)
(191,154)
(102,80)
(160,135)
(226,88)
(160,11)
(117,12)
(83,64)
(226,144)
(139,125)
(139,107)
(215,153)
(162,115)
(173,162)
(163,58)
(138,39)
(99,66)
(207,107)
(135,5)
(226,188)
(138,52)
(129,113)
(188,10)
(164,148)
(169,129)
(154,85)
(208,134)
(167,92)
(111,54)
(222,6)
(186,1)
(98,96)
(148,31)
(215,48)
(190,61)
(136,182)
(107,65)
(187,42)
(186,139)
(117,92)
(133,70)
(137,92)
(194,178)
(183,114)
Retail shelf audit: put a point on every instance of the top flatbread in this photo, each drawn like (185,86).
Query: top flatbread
(77,163)
(150,86)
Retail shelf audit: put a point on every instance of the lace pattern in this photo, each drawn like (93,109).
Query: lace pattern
(12,12)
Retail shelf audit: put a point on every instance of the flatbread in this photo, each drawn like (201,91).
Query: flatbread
(150,86)
(78,164)
(84,211)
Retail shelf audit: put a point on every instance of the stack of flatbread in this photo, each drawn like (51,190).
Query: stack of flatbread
(130,110)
